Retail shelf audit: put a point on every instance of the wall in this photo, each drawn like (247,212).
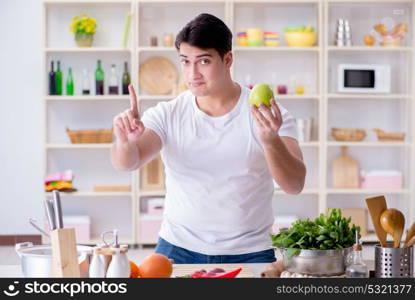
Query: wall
(21,113)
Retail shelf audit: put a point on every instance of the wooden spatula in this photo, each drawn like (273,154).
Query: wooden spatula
(409,234)
(345,170)
(376,206)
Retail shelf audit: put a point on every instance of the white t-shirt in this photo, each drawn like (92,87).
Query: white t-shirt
(218,186)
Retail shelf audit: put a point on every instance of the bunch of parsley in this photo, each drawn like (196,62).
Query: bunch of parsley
(326,232)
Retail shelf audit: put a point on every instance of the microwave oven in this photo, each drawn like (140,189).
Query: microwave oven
(357,78)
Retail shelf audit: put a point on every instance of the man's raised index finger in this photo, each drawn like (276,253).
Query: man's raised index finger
(133,100)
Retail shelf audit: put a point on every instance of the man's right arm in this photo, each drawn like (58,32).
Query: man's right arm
(132,156)
(134,144)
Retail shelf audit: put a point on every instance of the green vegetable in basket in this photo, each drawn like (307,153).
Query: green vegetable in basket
(326,232)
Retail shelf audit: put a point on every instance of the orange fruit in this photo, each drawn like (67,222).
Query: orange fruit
(135,272)
(156,265)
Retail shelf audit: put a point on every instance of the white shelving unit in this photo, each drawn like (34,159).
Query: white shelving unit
(311,64)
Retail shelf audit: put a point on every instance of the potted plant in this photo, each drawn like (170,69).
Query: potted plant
(84,29)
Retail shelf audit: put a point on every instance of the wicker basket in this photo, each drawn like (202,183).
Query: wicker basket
(348,134)
(89,136)
(389,136)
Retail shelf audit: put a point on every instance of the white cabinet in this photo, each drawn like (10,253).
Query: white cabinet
(314,67)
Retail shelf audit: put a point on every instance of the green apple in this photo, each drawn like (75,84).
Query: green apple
(261,93)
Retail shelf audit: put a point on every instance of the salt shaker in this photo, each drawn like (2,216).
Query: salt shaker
(96,268)
(105,258)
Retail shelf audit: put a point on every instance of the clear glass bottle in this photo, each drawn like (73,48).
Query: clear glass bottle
(86,90)
(113,84)
(356,268)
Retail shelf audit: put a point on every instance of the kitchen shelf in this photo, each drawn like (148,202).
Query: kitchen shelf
(277,96)
(275,1)
(297,97)
(277,49)
(372,2)
(182,1)
(86,2)
(93,194)
(303,192)
(277,192)
(156,97)
(79,146)
(88,98)
(370,96)
(368,191)
(309,144)
(369,144)
(87,50)
(152,193)
(155,49)
(369,49)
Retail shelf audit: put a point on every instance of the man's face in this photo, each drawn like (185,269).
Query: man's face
(204,70)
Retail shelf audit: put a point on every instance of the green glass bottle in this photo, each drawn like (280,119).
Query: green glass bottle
(58,79)
(125,80)
(52,80)
(99,79)
(69,83)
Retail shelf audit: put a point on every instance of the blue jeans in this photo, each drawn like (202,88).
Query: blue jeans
(182,256)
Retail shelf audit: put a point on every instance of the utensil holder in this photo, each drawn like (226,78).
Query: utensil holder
(393,262)
(64,253)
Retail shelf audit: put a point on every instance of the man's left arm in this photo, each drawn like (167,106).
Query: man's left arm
(283,154)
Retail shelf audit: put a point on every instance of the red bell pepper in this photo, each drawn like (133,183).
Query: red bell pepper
(204,274)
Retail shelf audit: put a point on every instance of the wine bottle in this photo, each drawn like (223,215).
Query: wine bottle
(58,79)
(85,83)
(52,80)
(69,83)
(99,79)
(125,80)
(113,84)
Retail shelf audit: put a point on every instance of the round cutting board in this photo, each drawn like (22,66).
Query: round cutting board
(158,76)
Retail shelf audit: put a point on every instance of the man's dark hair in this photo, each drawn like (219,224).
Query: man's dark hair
(205,32)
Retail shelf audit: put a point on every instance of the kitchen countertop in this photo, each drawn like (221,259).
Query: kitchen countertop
(248,270)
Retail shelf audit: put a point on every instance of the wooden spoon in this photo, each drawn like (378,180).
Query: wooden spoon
(376,206)
(410,242)
(393,222)
(409,234)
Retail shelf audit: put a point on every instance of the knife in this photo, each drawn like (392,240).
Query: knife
(50,214)
(57,207)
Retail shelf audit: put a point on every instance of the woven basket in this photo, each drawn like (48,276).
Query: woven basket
(348,134)
(89,136)
(389,136)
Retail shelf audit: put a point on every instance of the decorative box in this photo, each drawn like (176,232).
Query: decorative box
(381,179)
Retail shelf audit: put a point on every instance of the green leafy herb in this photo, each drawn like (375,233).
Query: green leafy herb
(326,232)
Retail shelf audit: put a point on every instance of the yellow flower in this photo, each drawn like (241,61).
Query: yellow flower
(83,24)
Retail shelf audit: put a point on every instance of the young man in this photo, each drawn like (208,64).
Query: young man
(220,154)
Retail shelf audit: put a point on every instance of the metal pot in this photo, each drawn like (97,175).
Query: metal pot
(317,262)
(36,261)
